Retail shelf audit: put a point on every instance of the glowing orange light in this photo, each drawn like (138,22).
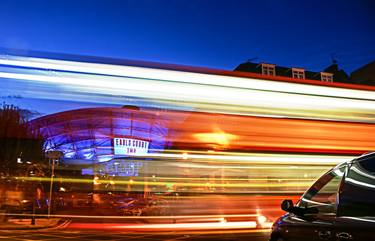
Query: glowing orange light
(219,137)
(185,155)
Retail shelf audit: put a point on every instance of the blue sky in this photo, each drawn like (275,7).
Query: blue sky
(208,33)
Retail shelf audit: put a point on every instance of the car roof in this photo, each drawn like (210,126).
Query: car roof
(366,162)
(363,157)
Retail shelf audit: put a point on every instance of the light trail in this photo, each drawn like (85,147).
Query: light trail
(254,158)
(202,172)
(196,222)
(185,184)
(280,125)
(205,92)
(169,227)
(180,76)
(212,217)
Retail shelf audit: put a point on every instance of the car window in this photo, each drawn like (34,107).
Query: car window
(368,164)
(358,192)
(323,193)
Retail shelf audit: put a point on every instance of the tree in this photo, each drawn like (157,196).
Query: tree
(18,143)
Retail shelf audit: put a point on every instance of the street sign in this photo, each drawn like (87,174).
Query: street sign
(54,154)
(130,147)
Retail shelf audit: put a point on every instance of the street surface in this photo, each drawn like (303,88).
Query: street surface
(75,235)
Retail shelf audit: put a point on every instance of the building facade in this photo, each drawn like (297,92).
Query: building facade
(330,74)
(333,73)
(364,75)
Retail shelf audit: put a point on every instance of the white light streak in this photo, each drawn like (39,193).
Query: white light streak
(260,158)
(201,91)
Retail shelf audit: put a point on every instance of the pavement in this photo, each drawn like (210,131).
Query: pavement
(25,223)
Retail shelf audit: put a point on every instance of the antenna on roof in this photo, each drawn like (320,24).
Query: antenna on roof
(333,58)
(252,59)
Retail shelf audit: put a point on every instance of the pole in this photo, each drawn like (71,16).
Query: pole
(33,214)
(50,188)
(145,187)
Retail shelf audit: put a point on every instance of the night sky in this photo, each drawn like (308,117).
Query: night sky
(208,33)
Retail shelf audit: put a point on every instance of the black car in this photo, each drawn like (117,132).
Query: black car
(339,206)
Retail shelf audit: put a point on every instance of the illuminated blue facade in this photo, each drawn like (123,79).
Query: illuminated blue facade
(85,136)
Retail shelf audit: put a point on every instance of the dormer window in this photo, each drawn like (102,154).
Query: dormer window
(268,69)
(326,77)
(298,73)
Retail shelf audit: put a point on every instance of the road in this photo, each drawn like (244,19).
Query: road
(225,219)
(75,235)
(77,229)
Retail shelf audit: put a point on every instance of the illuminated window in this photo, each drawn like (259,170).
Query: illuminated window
(326,77)
(268,69)
(298,73)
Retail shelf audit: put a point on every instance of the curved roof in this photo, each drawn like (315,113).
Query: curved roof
(87,134)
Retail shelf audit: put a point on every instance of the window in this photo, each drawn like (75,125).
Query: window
(326,77)
(298,73)
(357,198)
(268,69)
(323,193)
(368,163)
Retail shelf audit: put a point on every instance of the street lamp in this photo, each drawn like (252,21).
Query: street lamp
(53,157)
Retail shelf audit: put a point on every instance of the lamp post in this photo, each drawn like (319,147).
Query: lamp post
(53,157)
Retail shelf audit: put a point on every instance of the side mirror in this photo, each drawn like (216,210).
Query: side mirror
(287,205)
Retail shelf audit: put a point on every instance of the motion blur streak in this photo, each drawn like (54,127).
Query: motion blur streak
(144,148)
(200,225)
(205,92)
(186,184)
(177,76)
(216,218)
(249,133)
(254,158)
(222,172)
(235,227)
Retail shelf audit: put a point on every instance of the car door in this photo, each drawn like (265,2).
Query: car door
(355,228)
(322,196)
(309,228)
(356,210)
